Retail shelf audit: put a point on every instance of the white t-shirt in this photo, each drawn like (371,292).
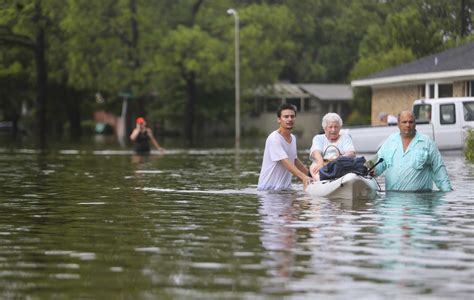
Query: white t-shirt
(273,175)
(322,144)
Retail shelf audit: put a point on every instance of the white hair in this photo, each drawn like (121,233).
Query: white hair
(331,117)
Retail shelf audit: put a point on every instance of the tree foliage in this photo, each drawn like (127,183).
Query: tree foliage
(177,57)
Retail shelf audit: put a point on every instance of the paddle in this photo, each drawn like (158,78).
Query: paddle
(373,167)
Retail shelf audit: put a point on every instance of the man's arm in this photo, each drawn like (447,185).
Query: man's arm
(384,152)
(296,171)
(439,174)
(301,166)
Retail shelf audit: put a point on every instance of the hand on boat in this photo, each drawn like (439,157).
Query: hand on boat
(307,181)
(314,169)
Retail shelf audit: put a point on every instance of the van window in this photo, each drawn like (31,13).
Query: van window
(422,113)
(447,114)
(468,112)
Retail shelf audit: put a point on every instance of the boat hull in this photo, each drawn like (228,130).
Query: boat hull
(349,186)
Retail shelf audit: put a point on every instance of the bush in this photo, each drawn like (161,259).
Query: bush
(356,118)
(88,127)
(469,146)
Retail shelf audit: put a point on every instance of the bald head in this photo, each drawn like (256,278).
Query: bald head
(406,113)
(407,124)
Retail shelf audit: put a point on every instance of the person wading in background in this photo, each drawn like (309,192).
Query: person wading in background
(142,136)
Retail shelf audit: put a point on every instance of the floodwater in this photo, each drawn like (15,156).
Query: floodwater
(80,223)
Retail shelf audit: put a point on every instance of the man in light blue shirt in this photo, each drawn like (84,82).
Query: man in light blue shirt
(411,160)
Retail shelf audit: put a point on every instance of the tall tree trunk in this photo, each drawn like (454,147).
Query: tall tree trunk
(191,89)
(134,56)
(191,92)
(41,79)
(465,18)
(73,110)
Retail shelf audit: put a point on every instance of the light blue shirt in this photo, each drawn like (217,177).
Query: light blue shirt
(323,145)
(413,170)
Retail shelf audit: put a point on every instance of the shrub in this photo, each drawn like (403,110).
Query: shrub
(469,146)
(356,118)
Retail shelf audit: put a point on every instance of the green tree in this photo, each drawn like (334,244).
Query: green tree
(33,30)
(110,46)
(25,25)
(197,61)
(405,31)
(327,36)
(411,29)
(177,57)
(15,82)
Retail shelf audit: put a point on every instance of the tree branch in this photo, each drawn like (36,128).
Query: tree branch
(17,40)
(194,11)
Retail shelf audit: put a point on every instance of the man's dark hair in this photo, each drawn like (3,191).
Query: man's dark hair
(285,106)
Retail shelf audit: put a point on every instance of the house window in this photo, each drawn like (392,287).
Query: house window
(421,91)
(470,88)
(295,102)
(430,90)
(272,105)
(310,104)
(438,90)
(447,115)
(445,90)
(258,107)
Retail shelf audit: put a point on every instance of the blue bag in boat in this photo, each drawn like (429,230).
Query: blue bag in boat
(343,165)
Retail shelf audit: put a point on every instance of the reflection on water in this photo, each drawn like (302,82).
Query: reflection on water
(278,211)
(88,223)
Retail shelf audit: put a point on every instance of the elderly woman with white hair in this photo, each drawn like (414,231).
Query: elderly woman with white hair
(330,145)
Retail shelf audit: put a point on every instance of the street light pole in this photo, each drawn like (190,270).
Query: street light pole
(233,12)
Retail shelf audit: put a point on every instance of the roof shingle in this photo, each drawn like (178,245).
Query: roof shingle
(459,58)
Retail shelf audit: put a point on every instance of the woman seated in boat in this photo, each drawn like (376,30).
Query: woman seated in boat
(330,145)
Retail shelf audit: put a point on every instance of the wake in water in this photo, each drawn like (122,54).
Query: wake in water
(246,191)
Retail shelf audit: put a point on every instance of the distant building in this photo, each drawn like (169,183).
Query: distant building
(312,100)
(446,74)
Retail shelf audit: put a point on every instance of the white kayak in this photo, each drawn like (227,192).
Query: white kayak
(349,186)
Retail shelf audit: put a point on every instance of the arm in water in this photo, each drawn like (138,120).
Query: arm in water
(297,169)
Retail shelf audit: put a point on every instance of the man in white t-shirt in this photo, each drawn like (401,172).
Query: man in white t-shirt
(280,160)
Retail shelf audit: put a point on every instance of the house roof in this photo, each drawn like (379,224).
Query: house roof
(324,92)
(327,92)
(456,62)
(282,90)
